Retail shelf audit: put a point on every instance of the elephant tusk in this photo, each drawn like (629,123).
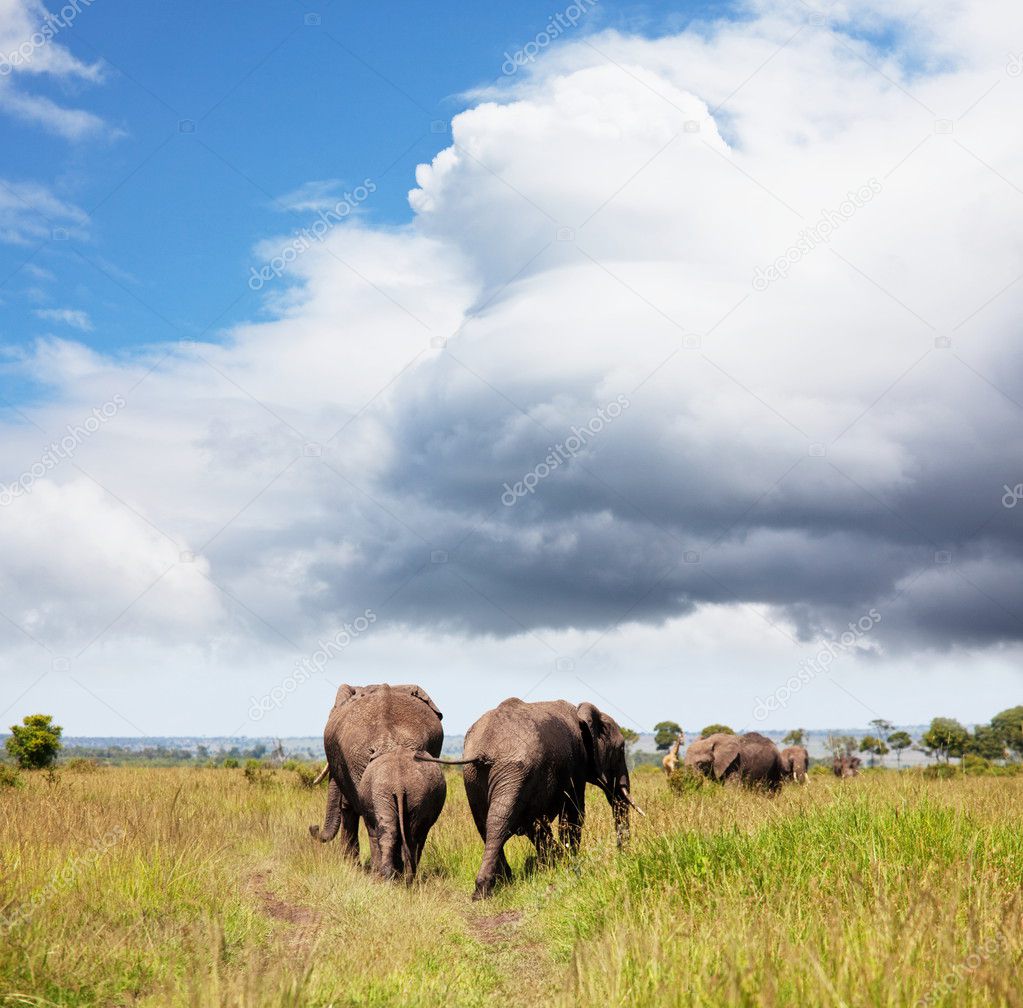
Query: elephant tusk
(321,775)
(628,798)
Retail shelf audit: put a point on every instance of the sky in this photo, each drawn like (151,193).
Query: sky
(664,356)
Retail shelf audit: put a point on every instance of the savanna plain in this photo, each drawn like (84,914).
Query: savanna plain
(202,887)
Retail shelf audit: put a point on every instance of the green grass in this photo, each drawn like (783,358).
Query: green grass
(167,887)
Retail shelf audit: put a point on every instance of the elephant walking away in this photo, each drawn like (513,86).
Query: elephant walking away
(527,764)
(367,721)
(400,799)
(794,762)
(751,759)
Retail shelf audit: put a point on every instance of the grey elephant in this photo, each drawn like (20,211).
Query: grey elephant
(794,762)
(846,765)
(400,798)
(367,721)
(751,759)
(527,764)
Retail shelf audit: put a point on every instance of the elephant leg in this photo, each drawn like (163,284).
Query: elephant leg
(570,822)
(349,830)
(543,840)
(495,864)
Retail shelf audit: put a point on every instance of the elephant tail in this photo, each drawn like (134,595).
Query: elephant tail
(406,853)
(423,758)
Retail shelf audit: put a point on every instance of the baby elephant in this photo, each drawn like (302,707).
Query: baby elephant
(400,799)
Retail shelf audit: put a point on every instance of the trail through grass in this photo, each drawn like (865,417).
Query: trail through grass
(196,888)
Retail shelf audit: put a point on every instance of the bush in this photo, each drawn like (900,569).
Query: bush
(940,771)
(684,781)
(82,764)
(9,777)
(34,743)
(258,773)
(306,773)
(230,763)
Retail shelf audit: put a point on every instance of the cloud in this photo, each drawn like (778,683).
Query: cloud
(30,213)
(30,46)
(68,316)
(799,446)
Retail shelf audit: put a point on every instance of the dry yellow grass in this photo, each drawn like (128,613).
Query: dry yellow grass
(192,887)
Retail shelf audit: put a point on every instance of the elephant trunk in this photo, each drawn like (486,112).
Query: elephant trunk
(332,822)
(620,803)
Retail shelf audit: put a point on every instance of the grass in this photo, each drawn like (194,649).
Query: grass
(168,887)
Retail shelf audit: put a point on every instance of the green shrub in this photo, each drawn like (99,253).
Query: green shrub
(231,763)
(34,743)
(684,781)
(306,773)
(82,764)
(940,771)
(9,777)
(258,773)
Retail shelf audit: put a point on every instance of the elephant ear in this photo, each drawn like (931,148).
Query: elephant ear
(344,694)
(726,752)
(591,722)
(421,694)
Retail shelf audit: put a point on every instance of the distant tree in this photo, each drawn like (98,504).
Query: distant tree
(1009,726)
(35,743)
(877,747)
(946,737)
(986,742)
(898,741)
(665,732)
(882,728)
(795,737)
(840,745)
(631,738)
(715,729)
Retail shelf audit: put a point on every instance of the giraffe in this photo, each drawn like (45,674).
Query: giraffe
(670,761)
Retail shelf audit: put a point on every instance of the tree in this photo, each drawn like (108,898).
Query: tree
(875,746)
(898,741)
(34,743)
(795,737)
(840,745)
(986,742)
(631,738)
(882,728)
(665,732)
(715,729)
(946,737)
(1009,725)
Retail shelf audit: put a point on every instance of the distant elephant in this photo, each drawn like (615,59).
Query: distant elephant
(400,799)
(846,765)
(751,759)
(367,721)
(794,762)
(527,764)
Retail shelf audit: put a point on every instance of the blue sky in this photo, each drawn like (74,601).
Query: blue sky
(212,115)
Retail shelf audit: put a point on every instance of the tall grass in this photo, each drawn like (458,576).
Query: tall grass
(167,887)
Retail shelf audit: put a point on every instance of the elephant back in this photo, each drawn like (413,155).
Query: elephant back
(377,719)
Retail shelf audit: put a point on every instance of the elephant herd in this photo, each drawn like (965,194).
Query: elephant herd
(524,765)
(752,760)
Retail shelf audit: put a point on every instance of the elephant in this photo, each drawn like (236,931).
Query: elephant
(846,765)
(364,722)
(751,759)
(528,763)
(794,761)
(400,798)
